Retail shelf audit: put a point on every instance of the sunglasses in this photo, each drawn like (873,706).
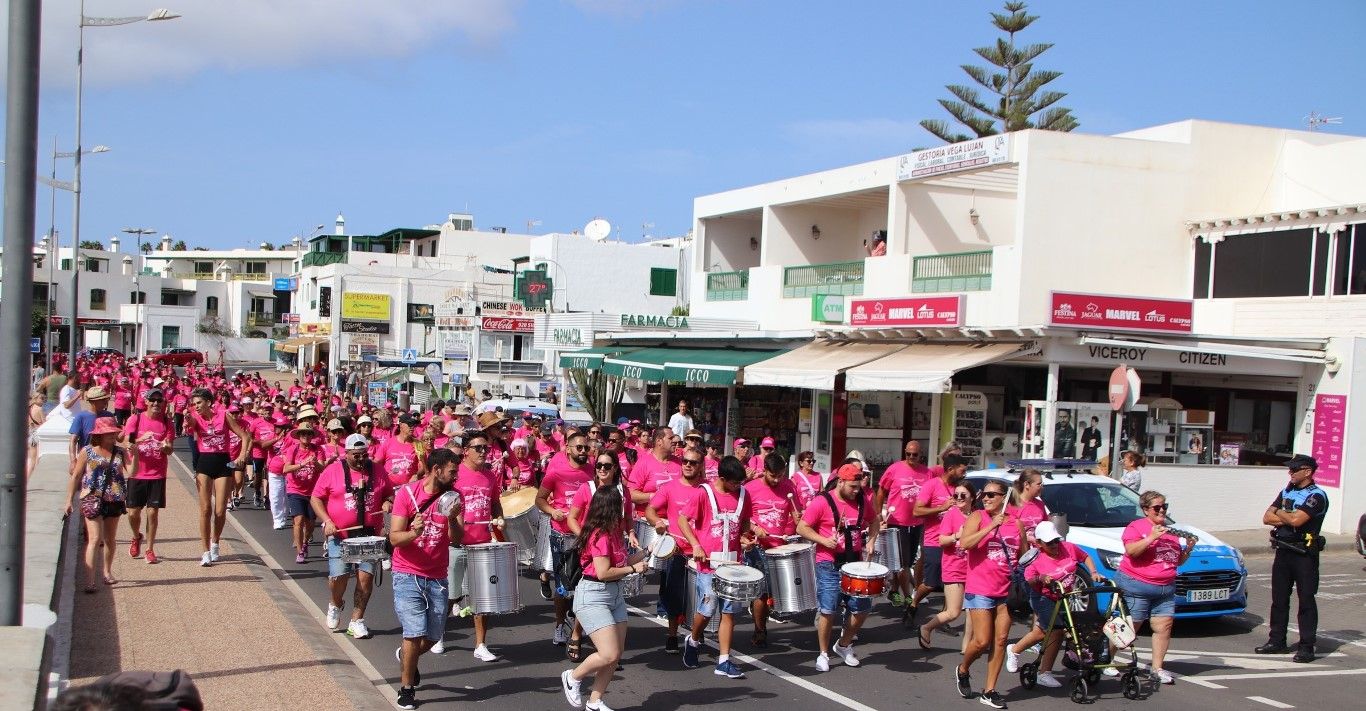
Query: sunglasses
(479,447)
(961,497)
(1158,507)
(805,461)
(604,466)
(691,462)
(991,494)
(912,455)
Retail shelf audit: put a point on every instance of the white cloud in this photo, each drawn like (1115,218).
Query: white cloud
(236,35)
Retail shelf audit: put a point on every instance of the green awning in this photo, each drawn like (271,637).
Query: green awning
(589,358)
(646,364)
(710,366)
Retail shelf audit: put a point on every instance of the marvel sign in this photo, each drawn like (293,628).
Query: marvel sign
(507,324)
(1121,313)
(916,311)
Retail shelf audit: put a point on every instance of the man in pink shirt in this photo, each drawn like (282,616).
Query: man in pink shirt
(775,516)
(654,468)
(744,451)
(479,488)
(663,511)
(151,432)
(713,527)
(896,492)
(936,497)
(563,476)
(350,492)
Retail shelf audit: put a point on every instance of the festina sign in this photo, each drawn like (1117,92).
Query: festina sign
(647,321)
(507,324)
(350,325)
(916,311)
(1121,313)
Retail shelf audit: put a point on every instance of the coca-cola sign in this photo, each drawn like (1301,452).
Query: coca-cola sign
(507,324)
(1121,313)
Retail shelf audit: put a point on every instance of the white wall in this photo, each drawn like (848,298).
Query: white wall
(725,241)
(788,240)
(937,219)
(1216,498)
(607,276)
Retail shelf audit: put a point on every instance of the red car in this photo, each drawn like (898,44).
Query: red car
(175,356)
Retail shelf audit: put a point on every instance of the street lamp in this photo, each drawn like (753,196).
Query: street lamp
(155,16)
(137,288)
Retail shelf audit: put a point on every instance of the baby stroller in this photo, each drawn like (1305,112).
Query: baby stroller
(1091,615)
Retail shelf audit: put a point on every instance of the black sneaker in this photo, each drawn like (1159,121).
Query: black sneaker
(545,589)
(1303,655)
(992,699)
(964,681)
(671,644)
(407,698)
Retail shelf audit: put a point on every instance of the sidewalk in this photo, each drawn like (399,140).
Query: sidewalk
(246,642)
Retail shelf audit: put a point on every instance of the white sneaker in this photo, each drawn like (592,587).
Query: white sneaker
(439,647)
(561,636)
(483,654)
(845,653)
(1164,677)
(205,561)
(599,706)
(571,689)
(333,616)
(1048,681)
(1012,660)
(213,552)
(1110,673)
(823,663)
(358,630)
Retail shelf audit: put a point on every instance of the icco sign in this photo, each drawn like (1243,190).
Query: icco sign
(579,362)
(697,375)
(632,371)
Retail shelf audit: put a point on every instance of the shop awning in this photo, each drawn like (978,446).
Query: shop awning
(815,365)
(589,358)
(646,364)
(294,344)
(924,367)
(711,366)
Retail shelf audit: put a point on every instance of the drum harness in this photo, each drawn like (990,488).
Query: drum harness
(726,520)
(848,556)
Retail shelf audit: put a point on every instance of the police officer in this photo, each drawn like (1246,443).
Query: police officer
(1296,517)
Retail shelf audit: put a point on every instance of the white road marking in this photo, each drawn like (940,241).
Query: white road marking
(1279,675)
(1358,642)
(1270,702)
(840,699)
(1202,682)
(1251,655)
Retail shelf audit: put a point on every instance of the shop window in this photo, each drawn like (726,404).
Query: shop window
(663,282)
(97,300)
(211,306)
(1262,265)
(1349,261)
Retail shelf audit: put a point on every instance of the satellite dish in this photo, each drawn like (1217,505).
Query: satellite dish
(598,230)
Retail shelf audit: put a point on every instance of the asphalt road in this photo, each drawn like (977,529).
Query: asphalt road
(1213,659)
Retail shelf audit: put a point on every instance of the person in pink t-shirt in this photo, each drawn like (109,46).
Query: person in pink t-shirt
(994,540)
(663,511)
(1147,574)
(350,492)
(654,468)
(426,520)
(953,567)
(714,527)
(806,480)
(936,497)
(262,437)
(896,491)
(151,432)
(521,467)
(303,464)
(606,472)
(555,498)
(397,456)
(479,489)
(774,519)
(1026,503)
(1054,566)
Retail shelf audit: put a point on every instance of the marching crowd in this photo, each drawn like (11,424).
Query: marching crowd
(433,482)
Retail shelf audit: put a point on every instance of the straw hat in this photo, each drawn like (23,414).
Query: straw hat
(489,419)
(96,393)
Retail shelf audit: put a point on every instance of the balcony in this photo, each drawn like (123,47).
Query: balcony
(318,259)
(207,276)
(260,319)
(837,278)
(523,368)
(963,271)
(728,286)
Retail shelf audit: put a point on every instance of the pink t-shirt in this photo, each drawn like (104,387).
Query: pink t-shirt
(719,530)
(562,479)
(152,434)
(902,483)
(674,497)
(544,447)
(954,565)
(711,468)
(808,486)
(933,492)
(123,399)
(1031,513)
(381,435)
(649,474)
(522,470)
(261,431)
(819,517)
(1060,568)
(301,480)
(211,435)
(398,460)
(774,509)
(755,465)
(991,560)
(343,507)
(429,553)
(584,494)
(478,489)
(1155,566)
(611,546)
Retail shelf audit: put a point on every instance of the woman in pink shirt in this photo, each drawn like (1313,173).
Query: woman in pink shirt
(994,541)
(1026,502)
(1056,564)
(521,467)
(953,570)
(1147,574)
(806,480)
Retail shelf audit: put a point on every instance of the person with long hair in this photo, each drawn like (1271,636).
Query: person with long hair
(1147,575)
(953,562)
(102,469)
(208,424)
(1026,502)
(994,540)
(599,604)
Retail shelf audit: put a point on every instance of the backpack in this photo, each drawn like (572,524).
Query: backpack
(165,691)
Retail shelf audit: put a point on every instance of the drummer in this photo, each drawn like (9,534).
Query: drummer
(714,526)
(479,489)
(663,513)
(556,496)
(775,517)
(839,539)
(344,489)
(897,489)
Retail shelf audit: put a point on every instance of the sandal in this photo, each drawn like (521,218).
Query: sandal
(89,590)
(110,581)
(896,598)
(574,650)
(924,643)
(760,638)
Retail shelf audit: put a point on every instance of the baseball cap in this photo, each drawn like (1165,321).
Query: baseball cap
(741,442)
(357,441)
(335,424)
(768,442)
(1046,532)
(1301,461)
(849,472)
(364,420)
(622,421)
(409,419)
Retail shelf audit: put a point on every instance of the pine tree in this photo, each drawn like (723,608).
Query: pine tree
(1019,102)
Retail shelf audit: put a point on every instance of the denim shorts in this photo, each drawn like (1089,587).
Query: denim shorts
(336,568)
(974,601)
(1146,601)
(558,542)
(598,605)
(1043,608)
(707,599)
(829,597)
(420,605)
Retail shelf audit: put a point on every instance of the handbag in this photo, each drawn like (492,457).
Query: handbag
(1120,631)
(1019,593)
(570,571)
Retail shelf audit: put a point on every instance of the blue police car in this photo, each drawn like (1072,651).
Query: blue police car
(1213,582)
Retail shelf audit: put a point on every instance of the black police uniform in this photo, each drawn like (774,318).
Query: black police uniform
(1297,564)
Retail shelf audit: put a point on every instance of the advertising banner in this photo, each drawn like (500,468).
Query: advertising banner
(374,307)
(507,324)
(1121,313)
(916,311)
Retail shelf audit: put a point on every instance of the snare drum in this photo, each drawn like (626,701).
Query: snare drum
(737,583)
(543,560)
(792,571)
(646,535)
(491,577)
(632,585)
(363,549)
(863,579)
(664,548)
(690,601)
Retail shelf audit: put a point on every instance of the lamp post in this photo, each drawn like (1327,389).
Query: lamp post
(155,16)
(137,289)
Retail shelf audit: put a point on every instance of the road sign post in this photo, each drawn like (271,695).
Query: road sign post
(1123,395)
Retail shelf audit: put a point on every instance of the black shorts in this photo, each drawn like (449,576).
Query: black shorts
(934,568)
(213,465)
(121,416)
(258,468)
(146,493)
(298,505)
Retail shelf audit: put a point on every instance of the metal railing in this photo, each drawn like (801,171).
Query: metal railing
(318,259)
(837,278)
(192,275)
(962,271)
(260,319)
(524,368)
(728,286)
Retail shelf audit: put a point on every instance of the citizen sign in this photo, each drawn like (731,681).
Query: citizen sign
(507,324)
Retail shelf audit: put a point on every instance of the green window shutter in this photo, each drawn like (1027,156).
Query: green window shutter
(663,282)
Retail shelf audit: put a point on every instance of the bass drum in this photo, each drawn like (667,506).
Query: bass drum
(792,571)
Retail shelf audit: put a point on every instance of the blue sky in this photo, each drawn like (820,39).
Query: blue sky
(254,120)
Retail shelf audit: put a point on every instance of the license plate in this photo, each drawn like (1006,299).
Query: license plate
(1207,595)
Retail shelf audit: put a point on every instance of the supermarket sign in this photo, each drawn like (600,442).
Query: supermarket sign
(916,311)
(1121,313)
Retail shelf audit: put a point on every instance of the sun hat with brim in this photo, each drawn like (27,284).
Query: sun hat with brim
(305,413)
(364,420)
(490,419)
(335,424)
(303,427)
(105,425)
(96,393)
(463,409)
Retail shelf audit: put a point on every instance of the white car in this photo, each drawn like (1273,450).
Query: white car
(1213,582)
(514,407)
